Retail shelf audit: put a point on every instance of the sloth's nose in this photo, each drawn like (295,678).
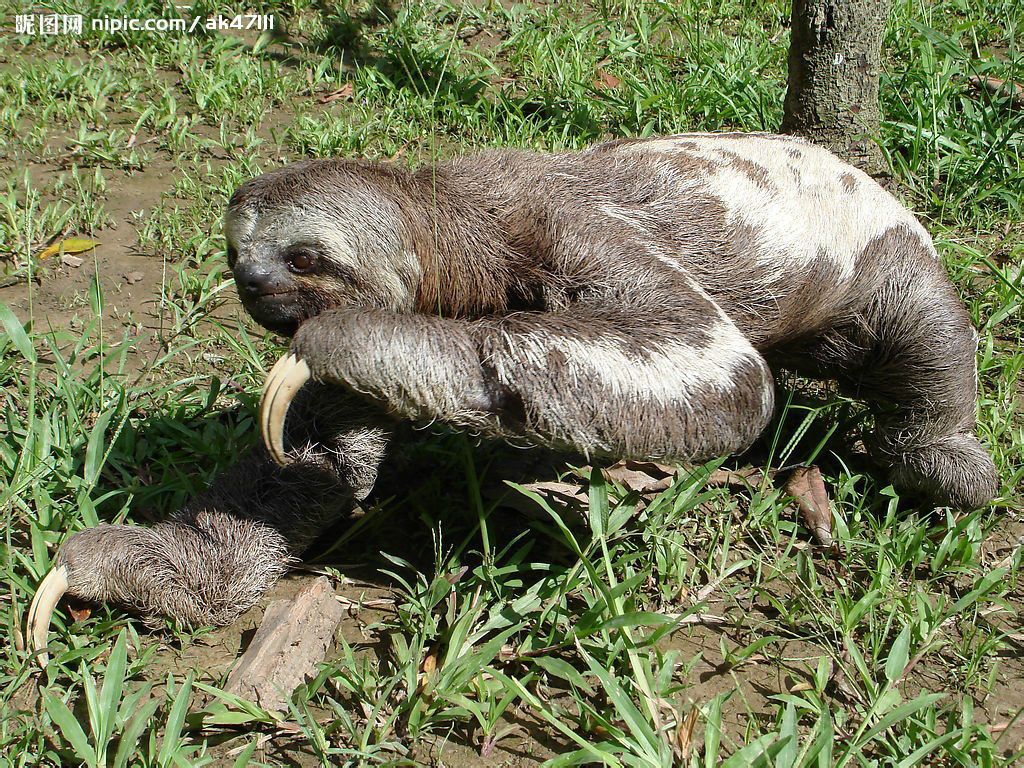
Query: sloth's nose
(257,279)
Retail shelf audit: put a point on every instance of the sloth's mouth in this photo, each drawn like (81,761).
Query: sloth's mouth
(272,300)
(277,311)
(274,294)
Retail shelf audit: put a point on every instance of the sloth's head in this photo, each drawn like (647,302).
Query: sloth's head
(317,235)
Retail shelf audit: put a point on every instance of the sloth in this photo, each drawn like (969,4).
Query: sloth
(629,300)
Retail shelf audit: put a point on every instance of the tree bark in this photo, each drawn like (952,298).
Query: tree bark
(834,65)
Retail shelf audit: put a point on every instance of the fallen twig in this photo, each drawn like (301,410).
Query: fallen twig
(998,87)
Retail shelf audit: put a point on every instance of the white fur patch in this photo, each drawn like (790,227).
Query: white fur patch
(669,376)
(287,226)
(804,211)
(239,225)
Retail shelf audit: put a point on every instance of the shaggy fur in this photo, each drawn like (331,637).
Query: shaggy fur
(217,556)
(625,301)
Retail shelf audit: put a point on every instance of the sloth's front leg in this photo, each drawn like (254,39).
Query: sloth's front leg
(215,558)
(677,382)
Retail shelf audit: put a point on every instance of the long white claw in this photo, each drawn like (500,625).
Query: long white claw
(284,380)
(53,585)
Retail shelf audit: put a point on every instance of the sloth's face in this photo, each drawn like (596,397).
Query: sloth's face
(295,254)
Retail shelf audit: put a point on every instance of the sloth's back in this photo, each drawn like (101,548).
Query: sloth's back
(784,235)
(787,207)
(779,231)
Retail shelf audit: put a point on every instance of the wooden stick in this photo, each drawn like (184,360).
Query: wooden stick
(998,87)
(293,637)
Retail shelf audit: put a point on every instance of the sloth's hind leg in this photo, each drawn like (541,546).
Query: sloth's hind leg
(916,365)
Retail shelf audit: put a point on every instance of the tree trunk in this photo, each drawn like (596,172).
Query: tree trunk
(834,64)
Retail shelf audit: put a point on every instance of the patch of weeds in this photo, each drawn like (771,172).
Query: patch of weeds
(696,626)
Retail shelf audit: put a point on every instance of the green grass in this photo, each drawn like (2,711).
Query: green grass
(695,627)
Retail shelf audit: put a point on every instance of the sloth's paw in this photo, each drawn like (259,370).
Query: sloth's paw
(193,573)
(954,471)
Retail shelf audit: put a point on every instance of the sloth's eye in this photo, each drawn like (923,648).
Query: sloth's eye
(232,256)
(301,261)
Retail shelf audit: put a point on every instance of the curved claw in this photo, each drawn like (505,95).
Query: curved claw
(284,380)
(50,590)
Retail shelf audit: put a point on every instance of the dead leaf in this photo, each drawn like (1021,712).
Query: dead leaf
(606,81)
(684,732)
(71,261)
(456,576)
(640,476)
(134,277)
(80,614)
(737,478)
(427,669)
(339,94)
(653,468)
(68,245)
(996,87)
(807,487)
(564,492)
(429,663)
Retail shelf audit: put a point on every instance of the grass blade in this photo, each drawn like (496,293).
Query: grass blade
(175,721)
(69,728)
(16,333)
(133,732)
